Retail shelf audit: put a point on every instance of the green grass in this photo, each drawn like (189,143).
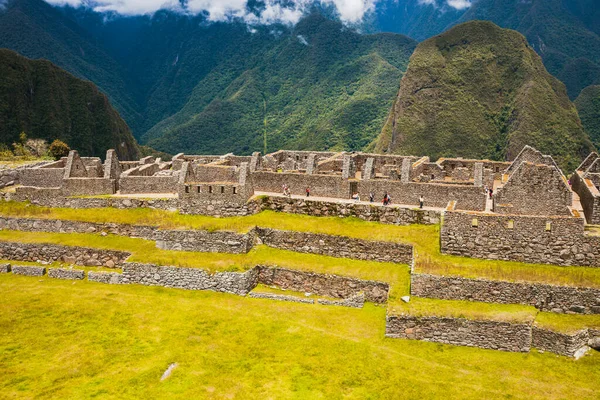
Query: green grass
(425,238)
(145,251)
(65,340)
(421,307)
(567,323)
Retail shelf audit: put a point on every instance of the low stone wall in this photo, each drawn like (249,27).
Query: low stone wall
(560,343)
(56,253)
(369,212)
(559,299)
(356,301)
(336,246)
(64,273)
(462,332)
(280,297)
(28,270)
(5,268)
(531,239)
(323,284)
(54,198)
(113,278)
(239,283)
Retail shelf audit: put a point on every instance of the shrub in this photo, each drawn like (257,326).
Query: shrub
(59,149)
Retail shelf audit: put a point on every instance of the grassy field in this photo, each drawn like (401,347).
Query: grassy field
(425,238)
(66,340)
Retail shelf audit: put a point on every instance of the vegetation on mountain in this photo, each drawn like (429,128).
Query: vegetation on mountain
(317,87)
(45,102)
(59,149)
(481,91)
(588,105)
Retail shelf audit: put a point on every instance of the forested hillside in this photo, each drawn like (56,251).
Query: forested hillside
(48,103)
(566,33)
(588,105)
(481,91)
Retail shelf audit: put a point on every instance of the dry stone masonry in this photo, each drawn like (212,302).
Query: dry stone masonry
(28,270)
(65,273)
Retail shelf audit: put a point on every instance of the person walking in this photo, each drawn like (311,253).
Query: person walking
(491,193)
(371,197)
(307,191)
(421,201)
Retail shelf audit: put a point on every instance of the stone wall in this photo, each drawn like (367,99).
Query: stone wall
(87,186)
(56,253)
(560,343)
(239,283)
(5,268)
(65,273)
(534,190)
(323,284)
(531,239)
(336,246)
(560,299)
(462,332)
(368,212)
(41,177)
(148,184)
(589,197)
(113,278)
(320,185)
(28,270)
(468,197)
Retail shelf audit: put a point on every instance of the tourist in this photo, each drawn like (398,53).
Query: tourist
(371,197)
(491,193)
(385,199)
(486,190)
(307,192)
(421,201)
(356,197)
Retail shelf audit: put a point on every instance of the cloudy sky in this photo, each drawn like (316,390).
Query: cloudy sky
(218,10)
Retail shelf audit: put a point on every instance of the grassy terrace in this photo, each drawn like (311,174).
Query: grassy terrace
(145,251)
(425,239)
(420,307)
(567,323)
(124,337)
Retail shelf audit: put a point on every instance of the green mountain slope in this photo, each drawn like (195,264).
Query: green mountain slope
(481,91)
(588,105)
(564,32)
(46,102)
(319,86)
(37,30)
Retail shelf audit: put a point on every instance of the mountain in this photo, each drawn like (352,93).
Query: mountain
(566,33)
(47,102)
(318,86)
(588,105)
(39,31)
(481,91)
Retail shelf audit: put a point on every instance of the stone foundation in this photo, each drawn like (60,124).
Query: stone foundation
(462,332)
(55,253)
(560,299)
(336,246)
(560,343)
(240,283)
(112,278)
(280,297)
(28,270)
(64,273)
(323,284)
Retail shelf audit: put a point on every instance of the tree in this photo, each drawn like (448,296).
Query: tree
(59,149)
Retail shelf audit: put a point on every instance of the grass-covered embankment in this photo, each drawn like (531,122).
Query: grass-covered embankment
(82,340)
(425,238)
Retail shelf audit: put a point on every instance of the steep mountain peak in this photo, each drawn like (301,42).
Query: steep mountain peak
(480,90)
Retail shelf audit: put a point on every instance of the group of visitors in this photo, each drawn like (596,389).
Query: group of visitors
(489,192)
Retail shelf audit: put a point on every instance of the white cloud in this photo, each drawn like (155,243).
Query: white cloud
(459,4)
(220,10)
